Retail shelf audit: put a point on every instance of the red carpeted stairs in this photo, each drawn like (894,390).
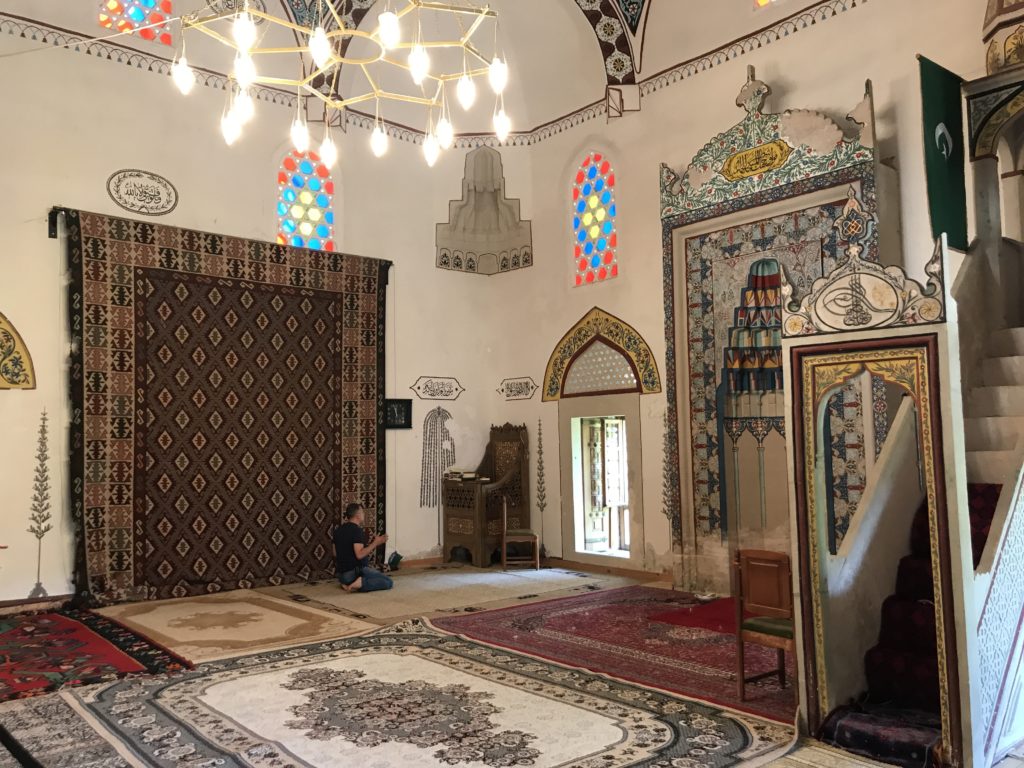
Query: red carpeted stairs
(897,721)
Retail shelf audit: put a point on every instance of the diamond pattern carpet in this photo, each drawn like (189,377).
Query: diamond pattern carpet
(229,400)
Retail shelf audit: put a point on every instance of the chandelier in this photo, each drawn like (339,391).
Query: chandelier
(398,43)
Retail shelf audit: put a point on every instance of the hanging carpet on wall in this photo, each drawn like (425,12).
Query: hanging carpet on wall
(227,401)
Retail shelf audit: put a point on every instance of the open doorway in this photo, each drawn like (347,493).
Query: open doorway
(601,485)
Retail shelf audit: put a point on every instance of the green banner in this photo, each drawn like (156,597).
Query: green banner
(944,152)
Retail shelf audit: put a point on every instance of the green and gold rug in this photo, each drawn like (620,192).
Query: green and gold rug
(405,695)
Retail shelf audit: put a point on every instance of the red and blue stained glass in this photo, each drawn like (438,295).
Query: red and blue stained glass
(149,17)
(595,238)
(304,194)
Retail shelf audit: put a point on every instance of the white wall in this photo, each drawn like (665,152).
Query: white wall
(74,119)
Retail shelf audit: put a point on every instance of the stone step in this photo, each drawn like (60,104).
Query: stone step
(990,466)
(998,371)
(995,401)
(993,433)
(1009,341)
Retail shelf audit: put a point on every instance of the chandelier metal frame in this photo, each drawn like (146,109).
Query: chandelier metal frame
(340,36)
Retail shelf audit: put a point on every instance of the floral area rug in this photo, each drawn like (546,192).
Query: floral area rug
(405,695)
(235,623)
(45,651)
(613,632)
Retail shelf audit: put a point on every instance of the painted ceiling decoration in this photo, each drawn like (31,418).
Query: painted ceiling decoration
(351,11)
(633,12)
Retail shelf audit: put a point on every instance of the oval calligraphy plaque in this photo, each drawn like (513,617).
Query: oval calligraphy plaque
(142,192)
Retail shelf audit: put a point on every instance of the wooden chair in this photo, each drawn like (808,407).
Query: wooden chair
(764,590)
(517,536)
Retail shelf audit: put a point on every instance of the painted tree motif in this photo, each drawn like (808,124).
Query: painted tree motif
(542,494)
(40,517)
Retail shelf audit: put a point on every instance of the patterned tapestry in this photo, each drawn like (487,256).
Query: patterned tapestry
(227,401)
(719,271)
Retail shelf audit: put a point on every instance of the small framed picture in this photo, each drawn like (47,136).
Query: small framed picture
(398,414)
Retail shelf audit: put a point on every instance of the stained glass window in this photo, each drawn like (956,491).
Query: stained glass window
(149,17)
(595,238)
(304,194)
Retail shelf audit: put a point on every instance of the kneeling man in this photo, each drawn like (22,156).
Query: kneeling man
(352,554)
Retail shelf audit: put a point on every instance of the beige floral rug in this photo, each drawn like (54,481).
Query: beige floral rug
(227,624)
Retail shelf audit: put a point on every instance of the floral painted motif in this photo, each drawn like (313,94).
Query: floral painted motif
(16,371)
(754,144)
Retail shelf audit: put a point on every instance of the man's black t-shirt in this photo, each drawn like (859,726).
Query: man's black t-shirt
(345,537)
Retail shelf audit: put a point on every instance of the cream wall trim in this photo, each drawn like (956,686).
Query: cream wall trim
(814,14)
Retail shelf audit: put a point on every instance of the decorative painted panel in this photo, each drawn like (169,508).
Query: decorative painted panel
(718,272)
(16,369)
(764,151)
(608,329)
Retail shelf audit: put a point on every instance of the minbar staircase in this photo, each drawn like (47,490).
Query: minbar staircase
(994,412)
(897,720)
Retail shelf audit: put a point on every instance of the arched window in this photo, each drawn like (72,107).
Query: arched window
(304,194)
(594,211)
(147,16)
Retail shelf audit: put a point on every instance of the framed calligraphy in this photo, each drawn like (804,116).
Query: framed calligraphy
(142,192)
(437,388)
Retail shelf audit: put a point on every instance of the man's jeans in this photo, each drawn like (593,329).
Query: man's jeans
(373,580)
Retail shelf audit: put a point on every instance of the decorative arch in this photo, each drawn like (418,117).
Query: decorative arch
(594,215)
(619,27)
(601,332)
(305,191)
(16,369)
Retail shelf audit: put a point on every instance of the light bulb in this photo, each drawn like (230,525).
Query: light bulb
(300,135)
(497,73)
(230,128)
(245,70)
(419,63)
(390,31)
(320,48)
(244,108)
(244,31)
(502,125)
(183,75)
(379,141)
(431,149)
(329,151)
(445,133)
(466,92)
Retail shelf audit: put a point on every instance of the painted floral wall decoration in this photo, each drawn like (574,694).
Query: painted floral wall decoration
(39,518)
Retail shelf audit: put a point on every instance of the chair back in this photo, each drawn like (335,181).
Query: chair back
(764,580)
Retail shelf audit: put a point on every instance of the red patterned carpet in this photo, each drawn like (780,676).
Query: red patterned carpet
(45,651)
(612,632)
